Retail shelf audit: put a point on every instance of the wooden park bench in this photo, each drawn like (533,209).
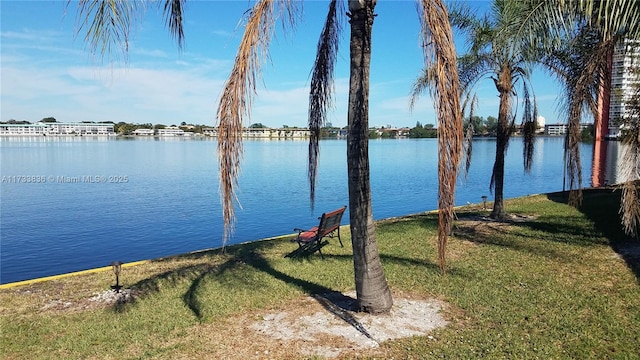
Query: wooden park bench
(329,227)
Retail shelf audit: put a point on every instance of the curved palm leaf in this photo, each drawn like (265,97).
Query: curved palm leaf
(529,127)
(320,96)
(236,100)
(173,11)
(468,137)
(440,57)
(581,64)
(108,25)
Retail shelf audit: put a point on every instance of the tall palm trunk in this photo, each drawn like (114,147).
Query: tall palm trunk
(372,290)
(503,84)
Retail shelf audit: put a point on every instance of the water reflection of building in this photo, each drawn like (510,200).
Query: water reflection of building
(612,109)
(607,156)
(598,163)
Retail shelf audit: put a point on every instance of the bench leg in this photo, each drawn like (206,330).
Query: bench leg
(339,239)
(319,242)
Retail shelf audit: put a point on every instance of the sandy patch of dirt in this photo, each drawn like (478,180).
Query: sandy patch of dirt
(330,326)
(319,326)
(98,300)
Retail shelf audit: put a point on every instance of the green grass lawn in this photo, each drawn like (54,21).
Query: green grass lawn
(557,283)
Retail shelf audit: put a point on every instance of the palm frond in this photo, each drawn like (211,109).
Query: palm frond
(474,68)
(108,25)
(529,127)
(613,17)
(542,23)
(236,100)
(173,12)
(320,96)
(468,137)
(462,18)
(420,85)
(440,55)
(572,151)
(585,72)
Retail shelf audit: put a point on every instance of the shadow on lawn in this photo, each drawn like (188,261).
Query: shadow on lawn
(529,234)
(249,254)
(602,207)
(305,251)
(336,303)
(503,234)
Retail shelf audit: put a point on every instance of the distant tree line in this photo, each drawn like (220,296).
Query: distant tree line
(482,126)
(124,128)
(420,131)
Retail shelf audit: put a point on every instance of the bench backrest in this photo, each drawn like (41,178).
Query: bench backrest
(330,221)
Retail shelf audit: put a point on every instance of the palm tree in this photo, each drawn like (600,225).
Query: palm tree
(110,25)
(371,285)
(497,54)
(572,63)
(585,71)
(440,53)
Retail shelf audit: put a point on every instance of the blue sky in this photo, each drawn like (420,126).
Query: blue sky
(46,69)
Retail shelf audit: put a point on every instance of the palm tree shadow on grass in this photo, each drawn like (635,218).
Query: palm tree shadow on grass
(152,285)
(194,273)
(338,304)
(333,301)
(501,236)
(427,221)
(602,206)
(517,233)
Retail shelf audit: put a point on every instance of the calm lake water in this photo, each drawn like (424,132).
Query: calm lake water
(91,201)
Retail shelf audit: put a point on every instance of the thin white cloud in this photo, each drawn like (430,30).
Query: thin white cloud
(29,35)
(151,53)
(97,94)
(222,33)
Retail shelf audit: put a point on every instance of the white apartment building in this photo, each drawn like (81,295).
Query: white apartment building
(43,129)
(560,129)
(144,132)
(625,78)
(23,129)
(555,129)
(265,133)
(80,129)
(170,131)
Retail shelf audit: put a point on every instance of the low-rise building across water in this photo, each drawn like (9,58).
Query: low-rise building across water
(56,128)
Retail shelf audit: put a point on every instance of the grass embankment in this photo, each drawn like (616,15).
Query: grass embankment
(548,286)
